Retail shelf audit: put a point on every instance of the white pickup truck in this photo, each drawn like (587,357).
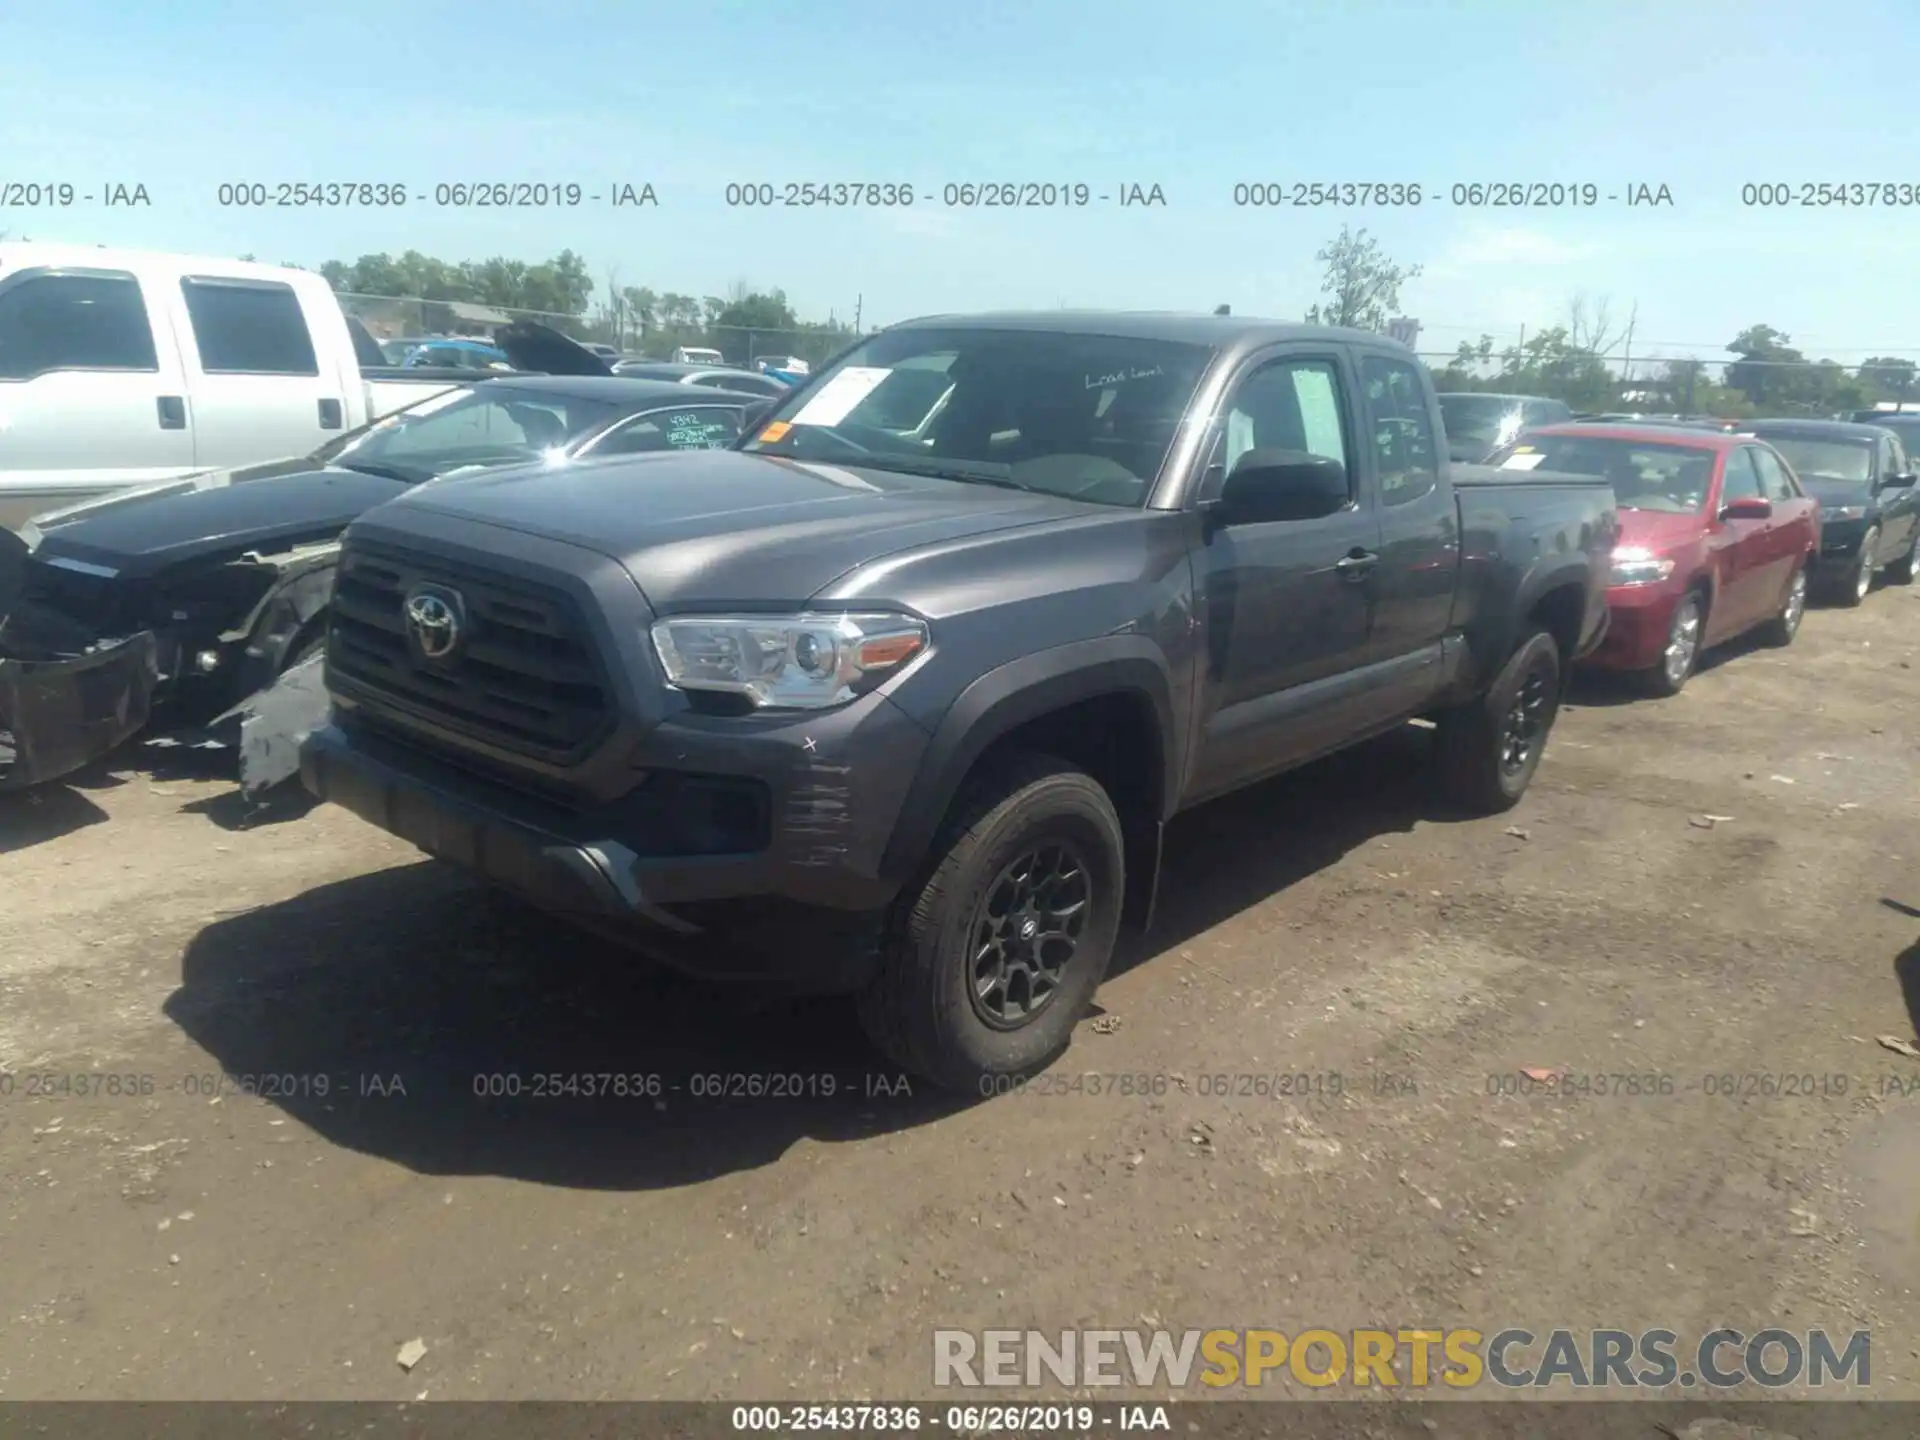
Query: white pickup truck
(125,368)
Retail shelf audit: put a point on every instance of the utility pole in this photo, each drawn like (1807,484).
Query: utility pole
(858,301)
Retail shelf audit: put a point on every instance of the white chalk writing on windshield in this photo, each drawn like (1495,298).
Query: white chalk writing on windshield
(1121,377)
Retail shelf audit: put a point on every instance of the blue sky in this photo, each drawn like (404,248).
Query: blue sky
(1698,95)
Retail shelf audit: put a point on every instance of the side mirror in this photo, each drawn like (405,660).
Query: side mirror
(1748,507)
(1899,480)
(1267,485)
(753,416)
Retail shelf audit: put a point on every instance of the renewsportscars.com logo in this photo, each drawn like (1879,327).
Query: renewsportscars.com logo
(1413,1359)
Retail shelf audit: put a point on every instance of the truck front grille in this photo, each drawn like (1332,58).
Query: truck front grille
(524,676)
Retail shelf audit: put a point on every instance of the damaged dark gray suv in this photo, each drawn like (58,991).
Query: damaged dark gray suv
(897,698)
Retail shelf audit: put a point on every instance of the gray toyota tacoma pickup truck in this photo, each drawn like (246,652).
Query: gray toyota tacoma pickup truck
(897,699)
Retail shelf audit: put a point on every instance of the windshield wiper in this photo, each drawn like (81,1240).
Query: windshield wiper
(946,470)
(385,472)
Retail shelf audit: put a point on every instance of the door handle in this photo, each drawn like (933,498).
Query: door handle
(330,418)
(172,410)
(1357,566)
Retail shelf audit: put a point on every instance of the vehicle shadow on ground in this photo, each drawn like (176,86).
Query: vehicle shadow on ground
(43,813)
(1906,967)
(411,974)
(1600,689)
(1229,855)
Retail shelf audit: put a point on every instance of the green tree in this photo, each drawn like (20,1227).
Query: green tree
(1361,284)
(1892,376)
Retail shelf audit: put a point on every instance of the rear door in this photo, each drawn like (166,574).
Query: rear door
(1793,529)
(91,392)
(1419,527)
(259,389)
(1288,604)
(1740,549)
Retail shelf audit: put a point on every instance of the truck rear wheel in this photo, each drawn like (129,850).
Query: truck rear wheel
(993,958)
(1488,749)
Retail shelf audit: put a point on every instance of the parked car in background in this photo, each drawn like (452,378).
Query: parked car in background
(122,368)
(906,717)
(231,573)
(697,355)
(1478,424)
(1869,507)
(397,349)
(1904,423)
(714,377)
(791,364)
(458,353)
(1717,538)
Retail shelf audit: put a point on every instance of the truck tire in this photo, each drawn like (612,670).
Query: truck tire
(992,958)
(1488,749)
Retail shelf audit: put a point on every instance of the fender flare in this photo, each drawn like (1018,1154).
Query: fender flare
(1025,689)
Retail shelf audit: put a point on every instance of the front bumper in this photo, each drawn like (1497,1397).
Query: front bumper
(1638,618)
(751,856)
(1840,544)
(57,715)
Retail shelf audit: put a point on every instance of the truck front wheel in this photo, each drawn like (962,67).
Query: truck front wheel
(1488,749)
(992,959)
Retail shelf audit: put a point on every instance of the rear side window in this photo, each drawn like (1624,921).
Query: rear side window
(249,329)
(704,427)
(74,322)
(1544,412)
(1403,442)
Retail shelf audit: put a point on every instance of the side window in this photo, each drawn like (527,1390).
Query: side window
(74,322)
(1286,405)
(249,329)
(1742,480)
(1889,457)
(1776,483)
(1403,444)
(706,427)
(1901,464)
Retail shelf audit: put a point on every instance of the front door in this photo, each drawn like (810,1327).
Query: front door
(1288,605)
(1741,554)
(91,395)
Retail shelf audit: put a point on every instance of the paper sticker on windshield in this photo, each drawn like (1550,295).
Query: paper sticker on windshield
(835,400)
(1518,461)
(774,433)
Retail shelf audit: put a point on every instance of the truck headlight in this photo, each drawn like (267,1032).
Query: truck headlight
(787,662)
(1843,512)
(1634,565)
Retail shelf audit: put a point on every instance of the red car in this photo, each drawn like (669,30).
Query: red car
(1716,536)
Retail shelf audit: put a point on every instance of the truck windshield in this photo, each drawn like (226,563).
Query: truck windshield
(1082,415)
(1669,478)
(1848,461)
(469,426)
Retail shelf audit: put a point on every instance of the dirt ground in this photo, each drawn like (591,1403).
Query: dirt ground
(1727,883)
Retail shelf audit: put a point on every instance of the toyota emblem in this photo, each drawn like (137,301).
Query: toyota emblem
(435,620)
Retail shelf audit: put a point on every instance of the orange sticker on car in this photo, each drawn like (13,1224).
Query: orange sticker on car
(775,432)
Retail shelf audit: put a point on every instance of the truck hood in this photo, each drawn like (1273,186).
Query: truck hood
(1659,530)
(725,527)
(144,533)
